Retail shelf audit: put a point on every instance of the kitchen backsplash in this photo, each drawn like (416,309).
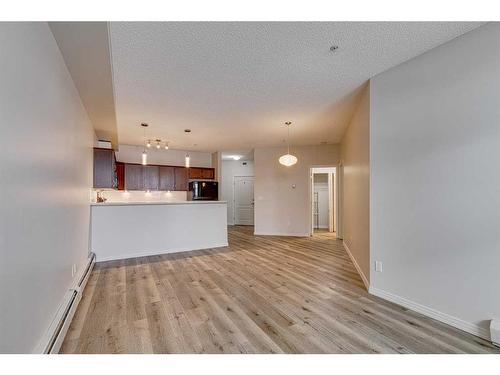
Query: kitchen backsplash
(141,196)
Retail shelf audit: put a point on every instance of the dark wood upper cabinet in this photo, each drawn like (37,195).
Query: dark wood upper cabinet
(201,173)
(156,177)
(167,178)
(195,173)
(151,177)
(181,178)
(134,177)
(208,173)
(104,168)
(120,175)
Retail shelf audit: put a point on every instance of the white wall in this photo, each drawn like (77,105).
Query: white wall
(230,169)
(132,154)
(355,153)
(46,176)
(281,209)
(435,180)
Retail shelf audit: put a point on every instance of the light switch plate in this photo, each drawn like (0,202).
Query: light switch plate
(378,266)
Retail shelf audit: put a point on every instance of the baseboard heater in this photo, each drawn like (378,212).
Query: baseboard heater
(495,332)
(68,311)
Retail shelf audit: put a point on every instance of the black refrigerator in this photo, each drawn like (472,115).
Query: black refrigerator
(203,190)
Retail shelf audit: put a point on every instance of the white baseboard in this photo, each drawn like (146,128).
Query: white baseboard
(52,340)
(356,265)
(284,234)
(432,313)
(161,252)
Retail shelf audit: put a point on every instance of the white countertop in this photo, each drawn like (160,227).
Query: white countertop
(154,203)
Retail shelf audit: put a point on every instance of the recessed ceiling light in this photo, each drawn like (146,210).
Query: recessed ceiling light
(187,130)
(334,48)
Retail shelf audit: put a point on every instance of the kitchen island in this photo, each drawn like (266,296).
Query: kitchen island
(121,230)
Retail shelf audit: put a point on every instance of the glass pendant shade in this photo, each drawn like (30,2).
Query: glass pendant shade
(187,161)
(144,158)
(288,160)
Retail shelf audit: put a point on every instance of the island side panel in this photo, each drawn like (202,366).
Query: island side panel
(128,231)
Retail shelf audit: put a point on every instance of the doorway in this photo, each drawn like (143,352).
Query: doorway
(323,200)
(243,200)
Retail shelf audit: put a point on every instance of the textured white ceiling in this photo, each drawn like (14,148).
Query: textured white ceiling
(234,84)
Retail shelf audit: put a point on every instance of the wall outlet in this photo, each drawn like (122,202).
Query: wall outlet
(378,266)
(73,270)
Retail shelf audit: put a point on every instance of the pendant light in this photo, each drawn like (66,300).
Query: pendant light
(288,159)
(144,160)
(166,145)
(187,160)
(158,144)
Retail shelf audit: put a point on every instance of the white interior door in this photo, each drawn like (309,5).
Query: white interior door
(243,200)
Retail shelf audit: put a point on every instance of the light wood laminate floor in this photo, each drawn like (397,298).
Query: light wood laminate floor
(259,295)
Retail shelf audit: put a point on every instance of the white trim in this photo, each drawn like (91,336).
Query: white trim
(432,313)
(331,197)
(282,234)
(162,252)
(339,191)
(356,265)
(328,169)
(333,201)
(63,316)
